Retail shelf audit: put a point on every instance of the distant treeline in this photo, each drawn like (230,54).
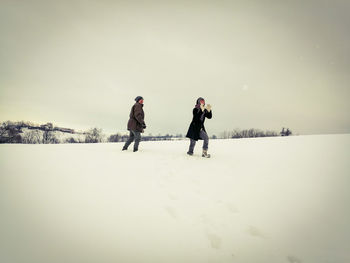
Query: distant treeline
(252,133)
(29,133)
(122,138)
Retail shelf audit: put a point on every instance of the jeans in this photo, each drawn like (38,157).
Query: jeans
(134,135)
(203,135)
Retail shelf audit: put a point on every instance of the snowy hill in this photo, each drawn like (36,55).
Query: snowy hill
(275,200)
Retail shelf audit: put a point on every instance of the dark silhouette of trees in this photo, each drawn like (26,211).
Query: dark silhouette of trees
(94,135)
(32,137)
(118,138)
(114,138)
(71,140)
(10,133)
(48,134)
(247,133)
(122,138)
(285,132)
(27,132)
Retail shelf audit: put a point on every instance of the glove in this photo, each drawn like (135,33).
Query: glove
(208,107)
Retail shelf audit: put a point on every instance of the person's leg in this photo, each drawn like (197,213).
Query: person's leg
(192,144)
(129,141)
(137,140)
(205,138)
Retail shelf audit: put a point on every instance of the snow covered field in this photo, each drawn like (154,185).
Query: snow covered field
(273,200)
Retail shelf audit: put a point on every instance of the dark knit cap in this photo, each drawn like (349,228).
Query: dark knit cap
(138,98)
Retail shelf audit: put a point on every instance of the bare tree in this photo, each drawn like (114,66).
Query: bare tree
(49,137)
(10,133)
(282,133)
(48,134)
(94,136)
(3,132)
(71,140)
(115,138)
(288,132)
(285,132)
(270,133)
(32,137)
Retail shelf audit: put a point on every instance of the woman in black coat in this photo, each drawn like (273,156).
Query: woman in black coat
(197,131)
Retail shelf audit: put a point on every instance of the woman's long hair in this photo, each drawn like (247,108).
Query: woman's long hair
(198,102)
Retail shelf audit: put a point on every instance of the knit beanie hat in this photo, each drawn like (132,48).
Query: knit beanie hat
(138,98)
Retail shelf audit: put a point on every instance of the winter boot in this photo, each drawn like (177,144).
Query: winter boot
(135,150)
(190,153)
(205,154)
(124,149)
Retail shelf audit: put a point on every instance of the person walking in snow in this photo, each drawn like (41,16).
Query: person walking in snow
(136,124)
(197,131)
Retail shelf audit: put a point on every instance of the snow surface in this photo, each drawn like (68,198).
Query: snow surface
(280,199)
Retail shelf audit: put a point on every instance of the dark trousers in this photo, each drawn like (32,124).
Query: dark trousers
(134,135)
(203,135)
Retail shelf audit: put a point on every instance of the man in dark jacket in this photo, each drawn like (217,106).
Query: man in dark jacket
(197,131)
(136,124)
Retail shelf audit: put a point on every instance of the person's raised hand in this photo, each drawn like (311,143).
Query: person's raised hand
(208,107)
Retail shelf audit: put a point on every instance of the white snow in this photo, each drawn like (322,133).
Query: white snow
(274,200)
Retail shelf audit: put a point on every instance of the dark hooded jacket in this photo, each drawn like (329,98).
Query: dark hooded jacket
(137,116)
(198,121)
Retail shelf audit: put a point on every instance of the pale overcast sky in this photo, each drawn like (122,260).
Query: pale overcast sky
(261,64)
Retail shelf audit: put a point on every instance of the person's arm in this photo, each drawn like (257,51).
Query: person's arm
(208,114)
(138,115)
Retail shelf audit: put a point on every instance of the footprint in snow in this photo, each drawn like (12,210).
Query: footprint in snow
(232,208)
(171,211)
(254,231)
(293,259)
(215,240)
(173,197)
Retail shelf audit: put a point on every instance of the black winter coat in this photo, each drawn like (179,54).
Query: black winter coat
(197,124)
(137,116)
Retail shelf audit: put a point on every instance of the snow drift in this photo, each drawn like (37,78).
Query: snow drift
(280,199)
